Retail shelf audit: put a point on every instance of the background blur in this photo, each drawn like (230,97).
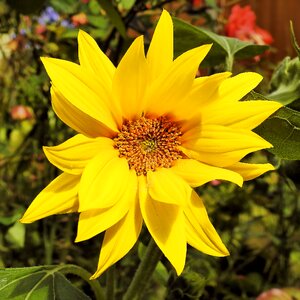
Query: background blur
(260,223)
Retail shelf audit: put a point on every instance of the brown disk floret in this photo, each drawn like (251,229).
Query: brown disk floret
(148,143)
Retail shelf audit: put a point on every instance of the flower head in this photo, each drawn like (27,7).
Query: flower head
(148,132)
(242,25)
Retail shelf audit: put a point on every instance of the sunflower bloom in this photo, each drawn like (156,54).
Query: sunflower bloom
(148,132)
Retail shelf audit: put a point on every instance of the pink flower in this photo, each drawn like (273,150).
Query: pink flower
(20,113)
(274,294)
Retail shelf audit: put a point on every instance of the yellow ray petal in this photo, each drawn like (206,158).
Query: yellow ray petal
(196,173)
(167,187)
(221,146)
(92,222)
(79,88)
(204,91)
(166,225)
(74,154)
(60,196)
(160,52)
(200,232)
(250,171)
(201,94)
(171,88)
(130,80)
(92,58)
(235,88)
(119,239)
(77,119)
(103,181)
(101,70)
(246,114)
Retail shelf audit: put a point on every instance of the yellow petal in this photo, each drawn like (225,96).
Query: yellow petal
(160,52)
(204,91)
(103,181)
(60,196)
(74,154)
(171,88)
(200,232)
(99,71)
(246,114)
(77,119)
(235,88)
(75,84)
(130,80)
(221,146)
(92,222)
(165,186)
(92,58)
(196,173)
(166,225)
(250,171)
(119,239)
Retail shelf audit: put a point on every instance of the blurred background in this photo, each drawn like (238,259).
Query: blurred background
(260,223)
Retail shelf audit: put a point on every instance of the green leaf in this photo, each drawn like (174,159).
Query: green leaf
(37,283)
(294,40)
(10,220)
(16,235)
(187,36)
(282,130)
(69,33)
(127,4)
(114,16)
(285,81)
(65,7)
(98,21)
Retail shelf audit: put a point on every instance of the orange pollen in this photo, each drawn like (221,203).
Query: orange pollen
(148,144)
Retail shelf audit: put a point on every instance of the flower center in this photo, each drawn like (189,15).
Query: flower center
(148,144)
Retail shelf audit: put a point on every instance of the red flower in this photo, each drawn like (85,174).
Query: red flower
(197,3)
(242,25)
(79,19)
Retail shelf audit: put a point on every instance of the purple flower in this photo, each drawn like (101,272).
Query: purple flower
(49,15)
(66,24)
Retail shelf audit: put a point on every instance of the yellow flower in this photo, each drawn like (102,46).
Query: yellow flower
(148,132)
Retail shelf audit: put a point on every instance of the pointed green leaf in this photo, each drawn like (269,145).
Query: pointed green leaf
(285,82)
(282,130)
(187,36)
(37,283)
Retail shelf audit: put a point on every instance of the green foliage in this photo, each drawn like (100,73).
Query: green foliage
(114,16)
(294,40)
(259,223)
(224,49)
(282,130)
(46,282)
(285,82)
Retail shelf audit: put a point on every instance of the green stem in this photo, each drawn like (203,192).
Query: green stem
(110,283)
(85,275)
(144,271)
(229,63)
(49,241)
